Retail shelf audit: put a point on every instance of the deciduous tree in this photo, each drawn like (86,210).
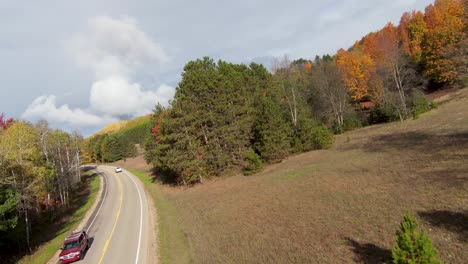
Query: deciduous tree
(413,30)
(23,168)
(327,79)
(445,22)
(292,83)
(357,71)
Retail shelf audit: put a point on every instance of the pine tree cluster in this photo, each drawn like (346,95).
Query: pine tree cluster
(227,116)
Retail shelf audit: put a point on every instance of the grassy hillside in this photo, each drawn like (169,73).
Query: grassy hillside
(340,205)
(117,141)
(122,125)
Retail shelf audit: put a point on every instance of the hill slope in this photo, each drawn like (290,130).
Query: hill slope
(340,205)
(117,141)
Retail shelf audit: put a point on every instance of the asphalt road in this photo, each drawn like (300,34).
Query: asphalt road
(119,228)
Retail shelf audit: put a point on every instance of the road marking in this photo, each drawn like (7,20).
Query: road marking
(115,223)
(103,199)
(141,217)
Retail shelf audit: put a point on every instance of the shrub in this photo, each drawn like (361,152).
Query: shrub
(352,122)
(252,163)
(383,114)
(420,104)
(310,134)
(322,137)
(413,247)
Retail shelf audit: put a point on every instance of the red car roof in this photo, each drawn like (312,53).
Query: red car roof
(73,237)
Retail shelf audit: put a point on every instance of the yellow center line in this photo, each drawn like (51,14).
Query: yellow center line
(106,245)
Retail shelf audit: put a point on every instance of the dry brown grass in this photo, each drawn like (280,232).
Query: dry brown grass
(341,205)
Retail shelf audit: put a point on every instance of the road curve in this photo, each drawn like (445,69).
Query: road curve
(119,228)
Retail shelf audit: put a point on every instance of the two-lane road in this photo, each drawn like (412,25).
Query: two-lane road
(119,229)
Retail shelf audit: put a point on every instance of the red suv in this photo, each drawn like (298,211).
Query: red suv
(74,247)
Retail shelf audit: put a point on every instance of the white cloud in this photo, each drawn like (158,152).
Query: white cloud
(114,49)
(46,107)
(165,93)
(114,46)
(117,96)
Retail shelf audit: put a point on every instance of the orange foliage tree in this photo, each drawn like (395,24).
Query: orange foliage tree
(412,31)
(368,44)
(445,23)
(358,72)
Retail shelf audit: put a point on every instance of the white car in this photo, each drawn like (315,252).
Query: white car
(118,169)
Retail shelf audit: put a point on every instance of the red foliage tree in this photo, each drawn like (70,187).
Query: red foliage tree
(156,128)
(4,122)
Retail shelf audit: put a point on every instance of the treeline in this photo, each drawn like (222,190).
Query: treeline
(113,146)
(39,168)
(226,116)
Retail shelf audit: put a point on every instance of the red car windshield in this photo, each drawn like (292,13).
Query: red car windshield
(70,245)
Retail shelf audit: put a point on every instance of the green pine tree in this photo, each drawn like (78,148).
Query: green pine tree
(253,163)
(271,132)
(9,200)
(413,247)
(209,127)
(309,134)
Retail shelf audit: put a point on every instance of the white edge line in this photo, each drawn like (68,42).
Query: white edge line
(100,207)
(141,216)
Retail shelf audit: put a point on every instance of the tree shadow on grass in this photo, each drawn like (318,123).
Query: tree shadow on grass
(369,253)
(413,141)
(419,148)
(455,222)
(421,142)
(447,177)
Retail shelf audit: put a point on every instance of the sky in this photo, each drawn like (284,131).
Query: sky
(83,64)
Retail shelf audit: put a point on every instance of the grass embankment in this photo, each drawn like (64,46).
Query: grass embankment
(172,244)
(85,199)
(341,205)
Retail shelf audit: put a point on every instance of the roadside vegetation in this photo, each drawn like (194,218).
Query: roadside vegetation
(39,180)
(52,235)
